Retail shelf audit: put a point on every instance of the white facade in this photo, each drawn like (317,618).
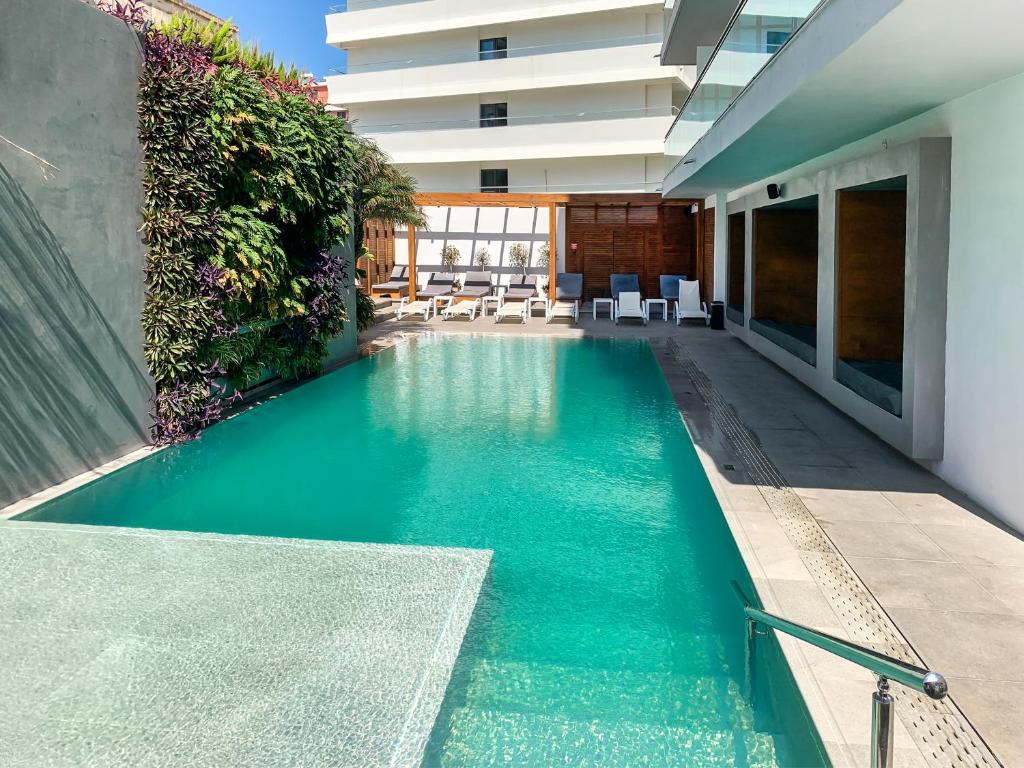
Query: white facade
(862,92)
(585,98)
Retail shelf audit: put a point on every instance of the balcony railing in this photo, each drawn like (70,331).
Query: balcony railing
(362,5)
(750,41)
(497,123)
(509,53)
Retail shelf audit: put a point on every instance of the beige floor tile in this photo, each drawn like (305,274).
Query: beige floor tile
(994,708)
(925,584)
(932,508)
(837,506)
(976,645)
(983,545)
(882,540)
(1004,582)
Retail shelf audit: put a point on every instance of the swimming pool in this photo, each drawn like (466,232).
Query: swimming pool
(607,632)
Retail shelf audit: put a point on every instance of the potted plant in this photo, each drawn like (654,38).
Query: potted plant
(544,261)
(450,256)
(519,256)
(482,258)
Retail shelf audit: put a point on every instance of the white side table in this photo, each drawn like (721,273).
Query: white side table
(435,304)
(542,300)
(610,303)
(484,301)
(655,302)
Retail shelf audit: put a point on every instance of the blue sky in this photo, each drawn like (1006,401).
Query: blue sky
(293,29)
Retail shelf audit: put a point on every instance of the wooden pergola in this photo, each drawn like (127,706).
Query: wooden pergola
(551,201)
(491,200)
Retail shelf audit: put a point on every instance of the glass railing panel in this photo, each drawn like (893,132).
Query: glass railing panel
(758,31)
(509,53)
(364,5)
(493,124)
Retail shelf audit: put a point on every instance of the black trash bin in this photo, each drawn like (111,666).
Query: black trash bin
(718,315)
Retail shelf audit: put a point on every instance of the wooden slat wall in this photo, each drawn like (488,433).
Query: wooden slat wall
(380,241)
(786,265)
(706,271)
(649,239)
(871,243)
(737,257)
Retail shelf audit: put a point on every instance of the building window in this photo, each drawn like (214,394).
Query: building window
(775,40)
(492,115)
(494,180)
(493,48)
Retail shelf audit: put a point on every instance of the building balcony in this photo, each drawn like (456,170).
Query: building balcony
(381,19)
(593,134)
(849,71)
(613,60)
(756,33)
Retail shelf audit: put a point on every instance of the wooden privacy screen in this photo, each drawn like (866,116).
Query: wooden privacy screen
(871,243)
(379,240)
(737,258)
(706,267)
(786,266)
(649,239)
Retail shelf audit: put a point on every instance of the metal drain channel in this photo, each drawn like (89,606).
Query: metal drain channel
(942,734)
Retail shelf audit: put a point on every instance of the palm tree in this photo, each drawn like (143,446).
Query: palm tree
(382,192)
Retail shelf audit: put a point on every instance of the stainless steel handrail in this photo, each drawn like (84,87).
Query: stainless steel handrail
(885,668)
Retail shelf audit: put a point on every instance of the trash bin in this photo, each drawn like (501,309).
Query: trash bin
(718,315)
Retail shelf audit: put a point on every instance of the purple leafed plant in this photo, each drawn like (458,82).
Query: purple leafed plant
(130,12)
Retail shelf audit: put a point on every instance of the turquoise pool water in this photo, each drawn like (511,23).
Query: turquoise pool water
(607,633)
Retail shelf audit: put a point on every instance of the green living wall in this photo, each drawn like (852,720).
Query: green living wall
(248,186)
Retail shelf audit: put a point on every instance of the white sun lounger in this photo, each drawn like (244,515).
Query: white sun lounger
(515,307)
(438,284)
(568,292)
(461,308)
(420,306)
(629,305)
(689,304)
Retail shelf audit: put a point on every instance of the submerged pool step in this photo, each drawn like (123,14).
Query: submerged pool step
(488,737)
(653,697)
(570,642)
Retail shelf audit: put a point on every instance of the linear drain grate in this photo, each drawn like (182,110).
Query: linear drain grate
(943,735)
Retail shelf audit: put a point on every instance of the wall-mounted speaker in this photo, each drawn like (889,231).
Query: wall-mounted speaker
(774,192)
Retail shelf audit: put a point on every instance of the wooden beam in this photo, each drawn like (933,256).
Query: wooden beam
(412,264)
(542,199)
(488,199)
(552,250)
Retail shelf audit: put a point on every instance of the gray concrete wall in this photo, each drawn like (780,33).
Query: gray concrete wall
(926,164)
(344,347)
(74,392)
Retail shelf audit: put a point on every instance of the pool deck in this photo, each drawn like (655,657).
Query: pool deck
(842,533)
(131,648)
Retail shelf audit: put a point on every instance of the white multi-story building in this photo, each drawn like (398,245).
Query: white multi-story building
(864,160)
(519,96)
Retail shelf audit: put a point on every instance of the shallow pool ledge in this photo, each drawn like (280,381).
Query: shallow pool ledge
(126,646)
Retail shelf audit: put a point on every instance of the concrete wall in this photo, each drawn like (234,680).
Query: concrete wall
(343,348)
(926,164)
(74,391)
(981,415)
(638,173)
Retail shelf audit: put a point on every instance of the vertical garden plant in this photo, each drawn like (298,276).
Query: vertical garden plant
(248,194)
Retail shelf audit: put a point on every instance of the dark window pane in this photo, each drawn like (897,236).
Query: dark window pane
(494,180)
(492,115)
(493,48)
(775,39)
